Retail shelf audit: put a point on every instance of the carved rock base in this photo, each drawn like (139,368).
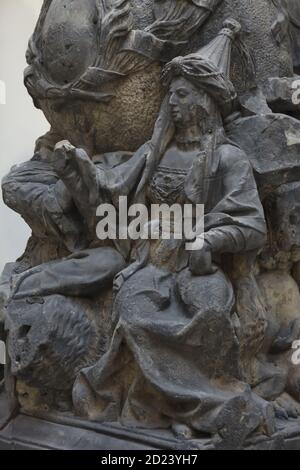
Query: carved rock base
(58,432)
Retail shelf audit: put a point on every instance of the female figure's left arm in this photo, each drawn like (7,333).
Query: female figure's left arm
(236,223)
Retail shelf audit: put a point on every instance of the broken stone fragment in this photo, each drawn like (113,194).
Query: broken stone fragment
(254,102)
(282,96)
(286,216)
(5,290)
(272,143)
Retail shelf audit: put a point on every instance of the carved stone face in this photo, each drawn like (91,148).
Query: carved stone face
(188,104)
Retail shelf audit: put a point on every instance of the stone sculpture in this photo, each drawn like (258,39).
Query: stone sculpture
(293,9)
(161,102)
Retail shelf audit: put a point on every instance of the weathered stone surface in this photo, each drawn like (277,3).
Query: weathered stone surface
(147,333)
(293,8)
(67,55)
(5,288)
(95,67)
(296,273)
(272,58)
(282,302)
(68,335)
(286,216)
(34,433)
(272,143)
(279,94)
(92,125)
(254,102)
(282,297)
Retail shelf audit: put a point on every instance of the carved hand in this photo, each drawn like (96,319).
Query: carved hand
(201,261)
(63,150)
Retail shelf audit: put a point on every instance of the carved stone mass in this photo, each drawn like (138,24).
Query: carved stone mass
(144,340)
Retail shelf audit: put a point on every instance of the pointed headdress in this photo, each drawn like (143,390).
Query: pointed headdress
(209,68)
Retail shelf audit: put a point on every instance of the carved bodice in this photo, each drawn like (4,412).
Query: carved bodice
(167,186)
